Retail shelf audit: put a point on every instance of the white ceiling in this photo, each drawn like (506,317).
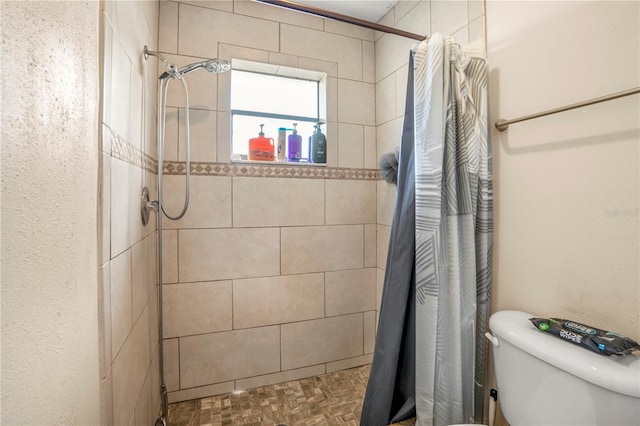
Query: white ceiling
(369,10)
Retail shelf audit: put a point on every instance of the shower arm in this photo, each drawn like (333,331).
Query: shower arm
(172,71)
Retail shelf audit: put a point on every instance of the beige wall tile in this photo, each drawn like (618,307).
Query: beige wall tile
(388,19)
(401,90)
(350,291)
(403,7)
(303,249)
(105,208)
(284,376)
(154,335)
(129,371)
(389,136)
(370,148)
(284,60)
(197,25)
(386,202)
(383,245)
(462,35)
(368,62)
(386,99)
(200,392)
(392,52)
(219,357)
(104,319)
(277,202)
(171,135)
(126,225)
(379,286)
(155,384)
(224,5)
(106,400)
(346,51)
(350,201)
(171,364)
(145,413)
(107,79)
(332,99)
(258,10)
(476,9)
(349,30)
(141,275)
(331,132)
(323,340)
(370,251)
(169,257)
(330,68)
(135,109)
(224,137)
(202,125)
(218,254)
(476,28)
(417,20)
(369,331)
(345,364)
(168,34)
(136,25)
(356,102)
(202,86)
(275,300)
(118,90)
(448,16)
(196,308)
(322,248)
(121,320)
(350,148)
(209,202)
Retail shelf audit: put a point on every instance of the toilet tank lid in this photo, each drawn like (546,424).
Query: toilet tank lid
(617,373)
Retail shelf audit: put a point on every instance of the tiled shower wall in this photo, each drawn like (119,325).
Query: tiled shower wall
(128,311)
(464,21)
(271,274)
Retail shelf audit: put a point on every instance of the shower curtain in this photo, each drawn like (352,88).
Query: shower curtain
(439,339)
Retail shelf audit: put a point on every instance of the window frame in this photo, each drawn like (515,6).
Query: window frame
(319,80)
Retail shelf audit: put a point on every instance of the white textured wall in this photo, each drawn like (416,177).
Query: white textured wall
(567,186)
(49,199)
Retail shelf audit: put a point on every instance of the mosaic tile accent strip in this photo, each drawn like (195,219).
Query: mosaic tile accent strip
(329,399)
(123,150)
(257,170)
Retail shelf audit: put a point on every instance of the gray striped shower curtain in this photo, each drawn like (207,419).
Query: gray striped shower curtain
(454,231)
(430,355)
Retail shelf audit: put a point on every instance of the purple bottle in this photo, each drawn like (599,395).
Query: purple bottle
(294,150)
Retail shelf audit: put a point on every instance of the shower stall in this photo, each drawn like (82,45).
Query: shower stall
(274,272)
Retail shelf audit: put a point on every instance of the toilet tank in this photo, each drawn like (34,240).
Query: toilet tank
(543,380)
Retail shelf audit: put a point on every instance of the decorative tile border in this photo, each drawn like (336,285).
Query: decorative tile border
(123,150)
(276,171)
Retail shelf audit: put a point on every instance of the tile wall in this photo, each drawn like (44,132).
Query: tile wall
(464,21)
(129,365)
(271,274)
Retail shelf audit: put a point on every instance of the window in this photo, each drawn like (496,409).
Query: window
(276,100)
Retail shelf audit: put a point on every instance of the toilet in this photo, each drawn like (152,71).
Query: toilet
(543,380)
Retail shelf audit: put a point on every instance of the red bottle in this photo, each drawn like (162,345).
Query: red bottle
(261,148)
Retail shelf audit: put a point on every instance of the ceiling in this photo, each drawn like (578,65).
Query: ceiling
(369,10)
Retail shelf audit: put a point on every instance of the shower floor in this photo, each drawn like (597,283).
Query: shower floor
(329,399)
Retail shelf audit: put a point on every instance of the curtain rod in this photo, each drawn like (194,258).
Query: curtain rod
(502,125)
(340,17)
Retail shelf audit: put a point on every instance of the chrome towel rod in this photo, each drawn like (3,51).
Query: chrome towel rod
(342,18)
(502,125)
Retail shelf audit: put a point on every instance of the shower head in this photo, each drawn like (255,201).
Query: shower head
(215,66)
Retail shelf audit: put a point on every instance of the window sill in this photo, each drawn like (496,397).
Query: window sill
(278,163)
